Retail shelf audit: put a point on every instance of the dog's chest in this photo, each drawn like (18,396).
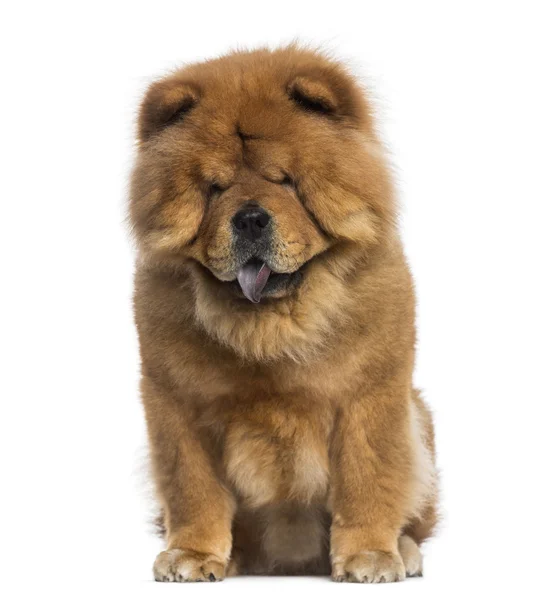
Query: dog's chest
(276,455)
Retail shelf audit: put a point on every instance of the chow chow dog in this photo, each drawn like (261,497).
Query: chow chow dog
(275,313)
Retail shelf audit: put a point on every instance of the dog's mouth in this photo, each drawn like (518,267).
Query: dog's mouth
(255,279)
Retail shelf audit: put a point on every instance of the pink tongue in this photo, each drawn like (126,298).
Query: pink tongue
(252,278)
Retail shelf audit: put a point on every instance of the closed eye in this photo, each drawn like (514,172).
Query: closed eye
(283,179)
(215,189)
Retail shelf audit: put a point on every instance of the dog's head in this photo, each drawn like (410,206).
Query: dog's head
(252,169)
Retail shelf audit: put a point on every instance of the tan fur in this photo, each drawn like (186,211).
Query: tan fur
(285,436)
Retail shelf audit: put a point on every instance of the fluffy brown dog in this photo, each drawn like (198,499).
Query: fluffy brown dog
(275,313)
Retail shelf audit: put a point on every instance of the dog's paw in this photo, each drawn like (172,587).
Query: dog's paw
(411,555)
(371,566)
(186,565)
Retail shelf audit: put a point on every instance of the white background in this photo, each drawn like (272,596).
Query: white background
(463,98)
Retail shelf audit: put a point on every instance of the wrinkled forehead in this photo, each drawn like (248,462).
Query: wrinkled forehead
(243,105)
(239,124)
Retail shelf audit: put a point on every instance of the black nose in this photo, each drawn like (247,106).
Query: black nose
(251,222)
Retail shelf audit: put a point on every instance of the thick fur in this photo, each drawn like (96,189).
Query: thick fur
(285,436)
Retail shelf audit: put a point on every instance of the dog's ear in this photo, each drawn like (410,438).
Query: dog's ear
(313,95)
(165,102)
(331,94)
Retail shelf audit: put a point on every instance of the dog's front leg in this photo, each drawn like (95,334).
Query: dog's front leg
(370,484)
(198,509)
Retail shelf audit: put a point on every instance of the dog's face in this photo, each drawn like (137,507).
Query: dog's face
(251,167)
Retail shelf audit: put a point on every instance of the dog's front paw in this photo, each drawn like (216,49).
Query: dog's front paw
(373,566)
(411,555)
(186,565)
